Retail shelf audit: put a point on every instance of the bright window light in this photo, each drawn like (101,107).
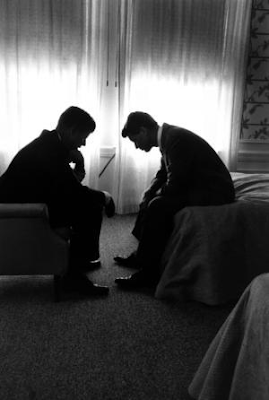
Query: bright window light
(202,107)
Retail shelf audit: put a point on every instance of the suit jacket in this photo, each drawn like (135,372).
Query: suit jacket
(190,167)
(40,172)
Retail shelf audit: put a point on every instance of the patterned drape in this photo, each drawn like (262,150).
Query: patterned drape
(255,121)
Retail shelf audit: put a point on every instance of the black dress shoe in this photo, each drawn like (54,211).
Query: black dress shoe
(95,290)
(89,266)
(82,285)
(136,281)
(84,265)
(129,261)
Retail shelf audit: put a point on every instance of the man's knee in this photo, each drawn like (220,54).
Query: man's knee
(161,206)
(156,206)
(87,214)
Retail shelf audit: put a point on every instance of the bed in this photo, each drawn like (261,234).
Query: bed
(236,365)
(214,252)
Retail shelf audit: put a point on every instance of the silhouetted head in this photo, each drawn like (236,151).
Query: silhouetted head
(74,126)
(141,129)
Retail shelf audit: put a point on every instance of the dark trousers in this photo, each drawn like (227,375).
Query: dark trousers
(85,220)
(153,227)
(85,234)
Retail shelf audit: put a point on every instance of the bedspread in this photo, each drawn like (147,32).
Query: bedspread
(236,365)
(214,252)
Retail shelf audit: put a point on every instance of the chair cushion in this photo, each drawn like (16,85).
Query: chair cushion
(23,210)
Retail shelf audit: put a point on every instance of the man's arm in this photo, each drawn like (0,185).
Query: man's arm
(180,156)
(155,185)
(79,170)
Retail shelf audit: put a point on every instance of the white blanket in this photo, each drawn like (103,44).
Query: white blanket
(236,365)
(214,252)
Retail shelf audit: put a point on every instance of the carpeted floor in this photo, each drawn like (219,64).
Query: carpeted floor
(127,346)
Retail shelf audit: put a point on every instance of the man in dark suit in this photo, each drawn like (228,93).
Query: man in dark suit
(41,173)
(191,174)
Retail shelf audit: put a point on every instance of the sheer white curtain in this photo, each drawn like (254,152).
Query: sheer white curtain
(53,55)
(182,61)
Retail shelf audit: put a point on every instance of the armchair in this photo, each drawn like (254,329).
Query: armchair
(28,244)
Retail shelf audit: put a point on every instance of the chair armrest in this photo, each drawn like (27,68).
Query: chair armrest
(23,210)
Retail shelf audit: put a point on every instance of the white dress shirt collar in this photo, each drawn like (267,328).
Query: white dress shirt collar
(159,136)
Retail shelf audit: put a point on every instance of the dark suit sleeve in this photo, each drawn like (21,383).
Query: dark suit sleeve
(70,188)
(157,182)
(179,157)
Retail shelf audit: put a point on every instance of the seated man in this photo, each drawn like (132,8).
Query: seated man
(41,173)
(191,174)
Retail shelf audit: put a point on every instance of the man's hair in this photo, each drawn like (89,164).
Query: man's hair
(135,121)
(76,118)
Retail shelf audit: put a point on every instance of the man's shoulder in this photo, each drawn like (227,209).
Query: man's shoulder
(47,140)
(174,130)
(40,148)
(173,134)
(45,136)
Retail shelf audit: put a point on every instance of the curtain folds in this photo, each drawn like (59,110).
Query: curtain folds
(182,62)
(52,57)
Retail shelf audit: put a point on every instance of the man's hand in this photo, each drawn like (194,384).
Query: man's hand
(146,198)
(109,205)
(79,174)
(77,158)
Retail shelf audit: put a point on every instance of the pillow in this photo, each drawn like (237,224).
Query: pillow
(251,187)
